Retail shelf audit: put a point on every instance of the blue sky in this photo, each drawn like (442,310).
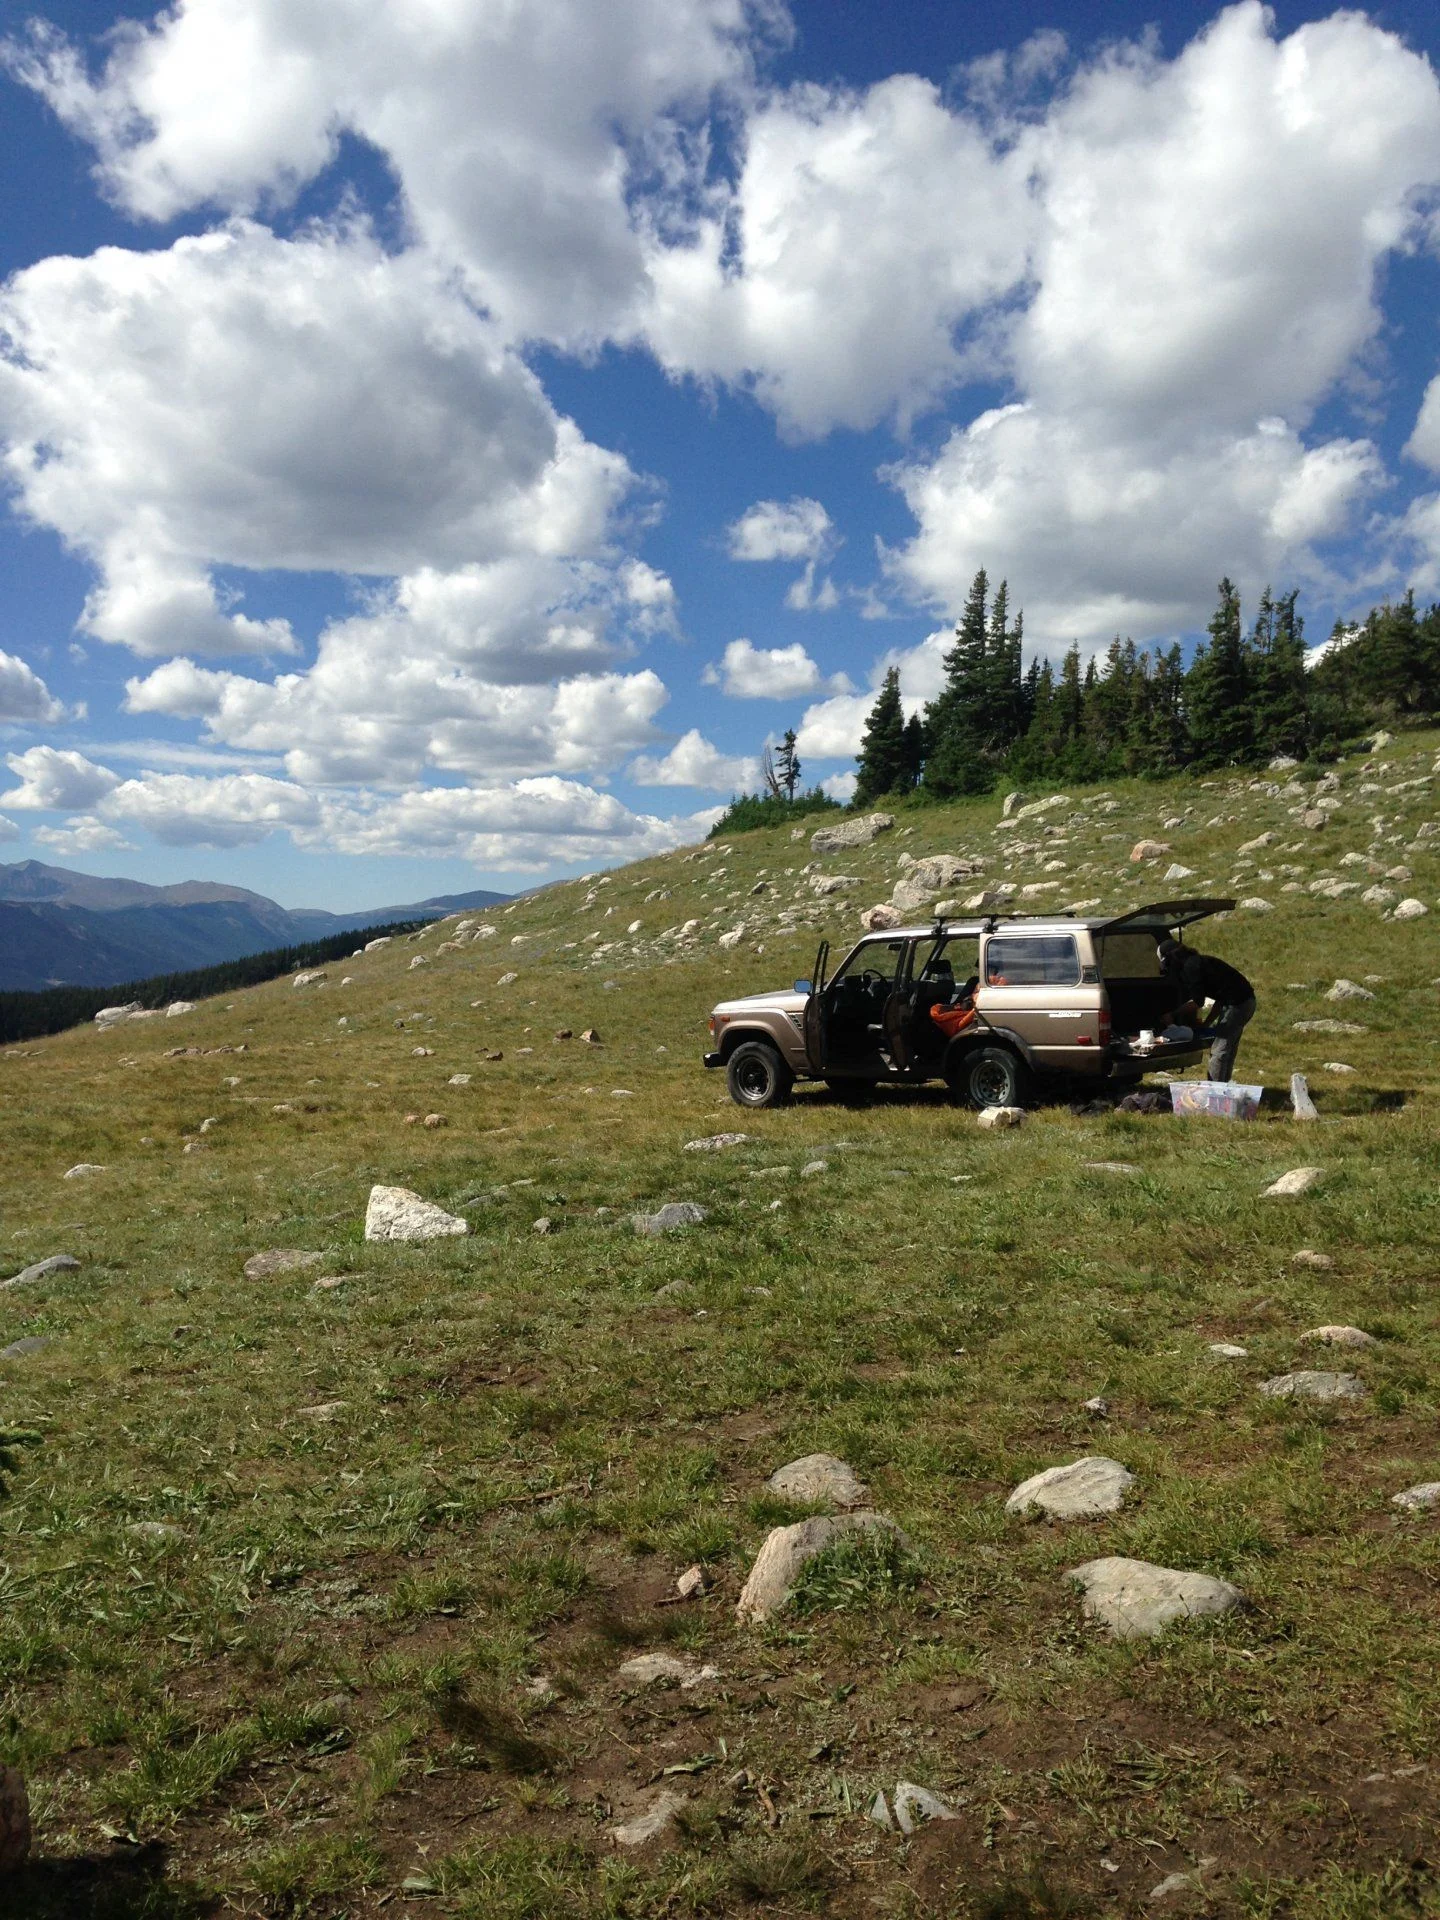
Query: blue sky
(445,441)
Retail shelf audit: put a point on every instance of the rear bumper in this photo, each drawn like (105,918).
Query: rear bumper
(713,1060)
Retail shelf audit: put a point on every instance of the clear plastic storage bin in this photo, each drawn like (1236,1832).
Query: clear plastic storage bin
(1225,1099)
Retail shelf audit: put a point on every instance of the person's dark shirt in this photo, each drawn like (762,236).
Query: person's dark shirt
(1201,977)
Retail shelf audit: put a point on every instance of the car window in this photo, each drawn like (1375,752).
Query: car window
(1129,956)
(1032,960)
(875,956)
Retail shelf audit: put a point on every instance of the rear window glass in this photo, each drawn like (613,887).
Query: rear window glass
(1129,956)
(1033,960)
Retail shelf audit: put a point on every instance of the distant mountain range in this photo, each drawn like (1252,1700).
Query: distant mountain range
(59,928)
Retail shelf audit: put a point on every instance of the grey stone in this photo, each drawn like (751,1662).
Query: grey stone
(715,1143)
(111,1016)
(1176,872)
(787,1550)
(1298,1180)
(1306,1384)
(915,1805)
(1081,1491)
(880,919)
(812,1168)
(260,1266)
(32,1343)
(1303,1106)
(14,1820)
(1253,903)
(1149,849)
(1349,990)
(41,1270)
(1227,1350)
(879,1812)
(1328,1026)
(997,1117)
(1111,1166)
(1034,807)
(1308,1257)
(819,1476)
(177,1007)
(310,979)
(655,1823)
(395,1213)
(645,1669)
(691,1583)
(1410,910)
(1098,1407)
(1339,1336)
(84,1168)
(675,1213)
(1417,1499)
(1136,1600)
(851,833)
(543,1225)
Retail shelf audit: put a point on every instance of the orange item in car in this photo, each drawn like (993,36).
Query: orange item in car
(952,1020)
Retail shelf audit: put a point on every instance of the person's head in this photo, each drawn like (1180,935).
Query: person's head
(1169,953)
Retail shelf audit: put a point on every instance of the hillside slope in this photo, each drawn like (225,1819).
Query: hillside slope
(324,1579)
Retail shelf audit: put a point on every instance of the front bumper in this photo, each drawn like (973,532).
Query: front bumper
(713,1060)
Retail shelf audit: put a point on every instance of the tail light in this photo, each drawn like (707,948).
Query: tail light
(1104,1026)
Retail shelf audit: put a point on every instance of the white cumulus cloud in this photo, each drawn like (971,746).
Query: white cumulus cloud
(82,834)
(748,672)
(695,762)
(781,530)
(59,779)
(24,696)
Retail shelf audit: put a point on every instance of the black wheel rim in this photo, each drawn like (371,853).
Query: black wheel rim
(752,1079)
(990,1083)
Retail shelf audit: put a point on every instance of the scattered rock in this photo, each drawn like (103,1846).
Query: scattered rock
(507,979)
(395,1213)
(1337,1066)
(1012,800)
(41,1270)
(590,1037)
(787,1549)
(1081,1491)
(1328,1026)
(458,1080)
(1298,1180)
(177,1007)
(323,1410)
(691,1583)
(879,1812)
(543,1225)
(1136,1600)
(82,1170)
(851,833)
(1174,1883)
(992,1117)
(310,979)
(1227,1350)
(1303,1106)
(435,1120)
(32,1343)
(1111,1166)
(1416,1499)
(1340,1336)
(14,1820)
(1349,990)
(813,1168)
(1034,807)
(819,1477)
(675,1213)
(1314,818)
(915,1805)
(1098,1408)
(1308,1257)
(729,941)
(655,1823)
(1254,904)
(1149,849)
(1309,1385)
(1410,910)
(260,1266)
(1176,872)
(715,1142)
(1260,840)
(880,919)
(112,1016)
(646,1668)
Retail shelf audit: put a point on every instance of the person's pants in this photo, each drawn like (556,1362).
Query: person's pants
(1227,1024)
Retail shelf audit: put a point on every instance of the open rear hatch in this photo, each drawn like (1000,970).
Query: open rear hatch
(1163,916)
(1140,997)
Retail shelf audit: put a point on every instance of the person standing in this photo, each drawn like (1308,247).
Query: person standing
(1201,977)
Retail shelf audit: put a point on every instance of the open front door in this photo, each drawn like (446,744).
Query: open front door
(815,1012)
(897,1018)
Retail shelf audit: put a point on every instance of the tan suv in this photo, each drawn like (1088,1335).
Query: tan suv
(1057,998)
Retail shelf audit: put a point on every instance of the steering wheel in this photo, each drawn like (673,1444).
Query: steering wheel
(871,980)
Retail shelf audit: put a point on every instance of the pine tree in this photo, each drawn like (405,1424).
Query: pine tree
(1217,689)
(1279,690)
(952,730)
(1160,742)
(787,765)
(885,752)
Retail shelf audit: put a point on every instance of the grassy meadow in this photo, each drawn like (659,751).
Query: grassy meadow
(313,1597)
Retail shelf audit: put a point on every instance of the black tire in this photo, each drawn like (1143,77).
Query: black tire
(994,1077)
(757,1076)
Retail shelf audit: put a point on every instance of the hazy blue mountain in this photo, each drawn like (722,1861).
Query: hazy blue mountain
(58,927)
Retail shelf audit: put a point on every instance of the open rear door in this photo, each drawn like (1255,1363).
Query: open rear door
(815,1012)
(1164,916)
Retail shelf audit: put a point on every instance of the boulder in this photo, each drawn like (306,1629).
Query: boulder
(1417,1499)
(940,870)
(1302,1105)
(1033,807)
(1082,1491)
(1308,1257)
(1176,872)
(1260,840)
(1298,1180)
(177,1007)
(729,941)
(41,1270)
(395,1213)
(1254,904)
(310,979)
(819,1477)
(260,1266)
(645,1669)
(880,919)
(908,899)
(111,1016)
(1012,800)
(788,1549)
(1349,990)
(14,1820)
(715,1143)
(82,1170)
(1314,818)
(372,946)
(675,1213)
(1309,1385)
(1136,1600)
(824,884)
(1410,910)
(851,833)
(1149,849)
(1339,1336)
(996,1117)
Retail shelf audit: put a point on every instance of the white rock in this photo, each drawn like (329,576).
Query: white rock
(1176,872)
(373,946)
(1337,1066)
(310,979)
(1427,1494)
(1303,1106)
(915,1805)
(458,1080)
(1254,904)
(879,1812)
(395,1213)
(507,979)
(676,1213)
(1081,1491)
(657,1820)
(41,1270)
(112,1016)
(1298,1180)
(851,833)
(787,1550)
(1260,840)
(79,1172)
(647,1668)
(714,1142)
(1033,807)
(1149,849)
(1378,896)
(880,919)
(813,1168)
(1012,800)
(177,1007)
(1136,1600)
(819,1477)
(1410,910)
(420,960)
(1111,1166)
(1337,1336)
(825,884)
(1349,990)
(1227,1350)
(1308,1257)
(731,940)
(691,1583)
(1309,1385)
(993,1117)
(1327,1026)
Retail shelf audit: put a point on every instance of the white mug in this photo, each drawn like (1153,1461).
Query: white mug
(1147,1039)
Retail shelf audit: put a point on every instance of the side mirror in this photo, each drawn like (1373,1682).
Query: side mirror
(802,986)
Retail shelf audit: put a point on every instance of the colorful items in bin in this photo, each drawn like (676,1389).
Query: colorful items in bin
(1224,1099)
